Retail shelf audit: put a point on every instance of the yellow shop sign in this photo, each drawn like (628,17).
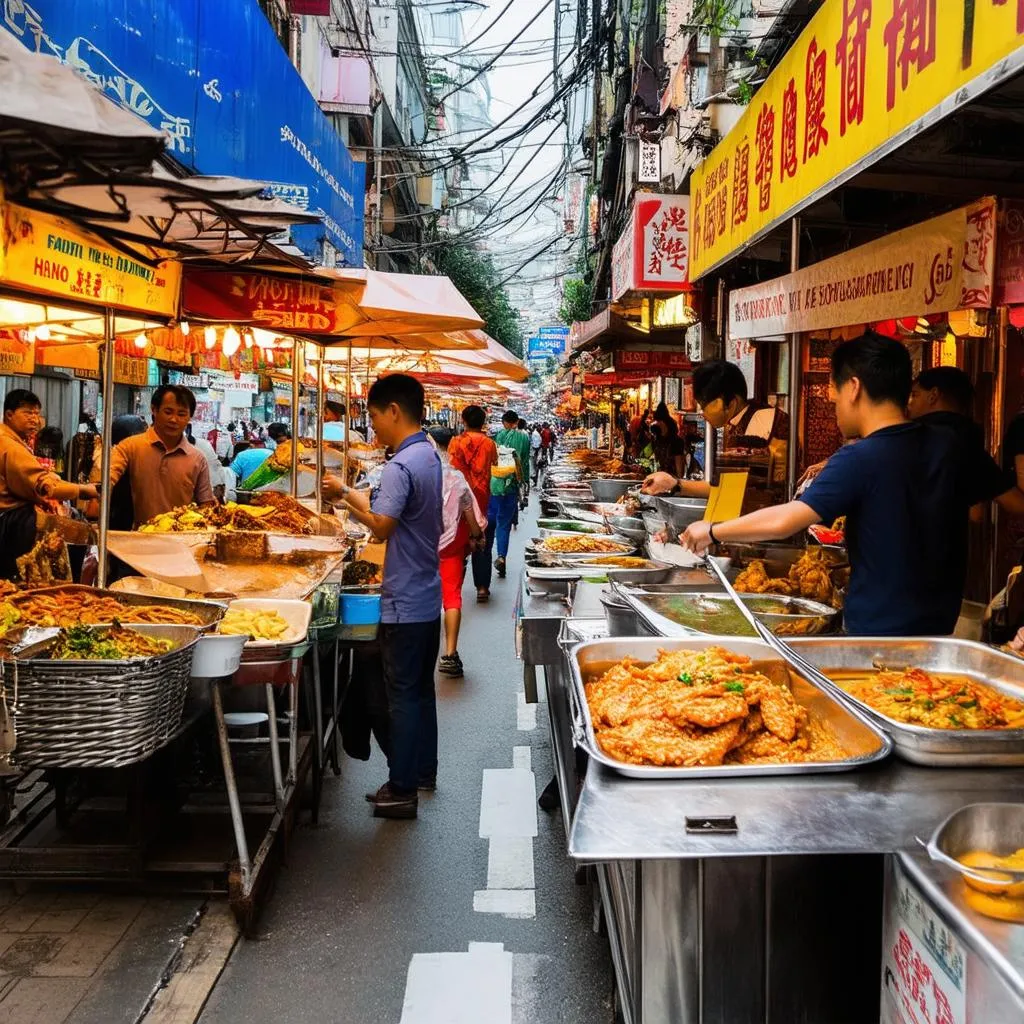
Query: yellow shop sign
(862,78)
(50,255)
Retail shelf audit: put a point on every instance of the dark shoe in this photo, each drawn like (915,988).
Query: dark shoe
(499,567)
(390,803)
(450,665)
(483,595)
(427,785)
(550,799)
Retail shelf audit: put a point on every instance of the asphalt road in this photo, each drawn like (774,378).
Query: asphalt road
(361,897)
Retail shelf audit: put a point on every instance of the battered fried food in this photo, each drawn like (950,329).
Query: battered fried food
(811,577)
(580,544)
(706,707)
(73,607)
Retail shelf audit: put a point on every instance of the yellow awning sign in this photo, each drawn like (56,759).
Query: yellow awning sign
(49,255)
(862,78)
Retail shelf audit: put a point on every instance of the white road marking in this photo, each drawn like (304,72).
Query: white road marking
(510,863)
(516,903)
(508,803)
(460,988)
(508,820)
(526,714)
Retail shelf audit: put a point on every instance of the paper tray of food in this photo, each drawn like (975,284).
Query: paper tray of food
(944,701)
(270,623)
(718,707)
(72,604)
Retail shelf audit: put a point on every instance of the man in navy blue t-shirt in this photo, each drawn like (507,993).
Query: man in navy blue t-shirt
(905,489)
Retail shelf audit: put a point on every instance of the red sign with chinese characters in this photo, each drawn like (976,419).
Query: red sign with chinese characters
(653,253)
(284,304)
(653,361)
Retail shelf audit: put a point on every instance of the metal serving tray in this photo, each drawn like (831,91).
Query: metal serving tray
(208,612)
(854,729)
(951,748)
(819,618)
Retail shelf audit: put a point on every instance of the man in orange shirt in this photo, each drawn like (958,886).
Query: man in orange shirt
(473,453)
(25,484)
(165,470)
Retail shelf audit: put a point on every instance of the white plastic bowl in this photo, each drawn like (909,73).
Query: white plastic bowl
(215,656)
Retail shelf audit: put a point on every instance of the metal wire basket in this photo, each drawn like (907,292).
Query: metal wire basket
(99,714)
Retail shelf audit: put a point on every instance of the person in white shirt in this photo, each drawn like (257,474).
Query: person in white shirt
(335,417)
(217,479)
(535,453)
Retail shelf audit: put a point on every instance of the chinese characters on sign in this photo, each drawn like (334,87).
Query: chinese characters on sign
(650,163)
(854,84)
(653,252)
(924,966)
(660,361)
(943,264)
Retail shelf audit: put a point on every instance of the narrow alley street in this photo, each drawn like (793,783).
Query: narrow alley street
(470,913)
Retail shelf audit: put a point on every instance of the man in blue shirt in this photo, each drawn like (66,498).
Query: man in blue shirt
(905,488)
(404,510)
(247,461)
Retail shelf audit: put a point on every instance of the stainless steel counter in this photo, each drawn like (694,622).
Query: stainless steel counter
(878,810)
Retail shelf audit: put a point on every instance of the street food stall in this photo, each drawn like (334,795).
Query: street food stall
(746,873)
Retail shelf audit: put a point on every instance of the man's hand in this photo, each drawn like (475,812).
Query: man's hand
(332,488)
(659,483)
(1017,643)
(697,537)
(88,492)
(477,542)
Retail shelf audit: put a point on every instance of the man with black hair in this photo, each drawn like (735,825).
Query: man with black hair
(25,484)
(905,488)
(509,478)
(405,510)
(721,392)
(164,470)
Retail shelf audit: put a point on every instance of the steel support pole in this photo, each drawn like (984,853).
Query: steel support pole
(710,434)
(795,376)
(348,396)
(320,397)
(108,420)
(296,380)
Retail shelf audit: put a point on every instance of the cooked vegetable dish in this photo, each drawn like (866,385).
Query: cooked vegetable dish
(80,643)
(268,512)
(934,701)
(582,545)
(706,707)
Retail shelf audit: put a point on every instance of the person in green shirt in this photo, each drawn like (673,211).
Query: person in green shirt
(506,482)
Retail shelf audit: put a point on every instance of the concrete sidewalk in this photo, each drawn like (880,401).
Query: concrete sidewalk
(92,958)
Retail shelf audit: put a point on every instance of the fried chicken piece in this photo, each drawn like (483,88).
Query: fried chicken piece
(708,712)
(765,745)
(811,577)
(661,743)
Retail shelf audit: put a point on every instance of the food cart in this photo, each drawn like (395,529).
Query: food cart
(759,893)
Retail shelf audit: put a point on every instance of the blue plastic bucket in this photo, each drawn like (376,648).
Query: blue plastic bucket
(360,609)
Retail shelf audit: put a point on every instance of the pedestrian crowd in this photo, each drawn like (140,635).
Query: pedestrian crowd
(442,501)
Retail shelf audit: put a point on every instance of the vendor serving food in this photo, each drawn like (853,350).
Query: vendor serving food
(25,484)
(164,469)
(721,392)
(905,488)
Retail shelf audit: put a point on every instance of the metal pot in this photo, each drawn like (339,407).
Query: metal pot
(622,619)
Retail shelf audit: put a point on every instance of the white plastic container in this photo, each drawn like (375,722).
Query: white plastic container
(216,656)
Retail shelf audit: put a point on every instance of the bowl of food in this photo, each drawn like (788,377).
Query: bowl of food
(611,489)
(584,544)
(984,844)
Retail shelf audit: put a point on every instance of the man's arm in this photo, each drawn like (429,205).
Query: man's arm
(358,505)
(666,483)
(774,523)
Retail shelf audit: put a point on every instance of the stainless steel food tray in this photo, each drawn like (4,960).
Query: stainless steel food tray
(208,612)
(818,617)
(951,748)
(854,729)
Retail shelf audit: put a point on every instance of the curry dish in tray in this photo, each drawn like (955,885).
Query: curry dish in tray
(708,707)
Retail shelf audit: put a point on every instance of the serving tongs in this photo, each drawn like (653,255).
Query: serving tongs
(990,876)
